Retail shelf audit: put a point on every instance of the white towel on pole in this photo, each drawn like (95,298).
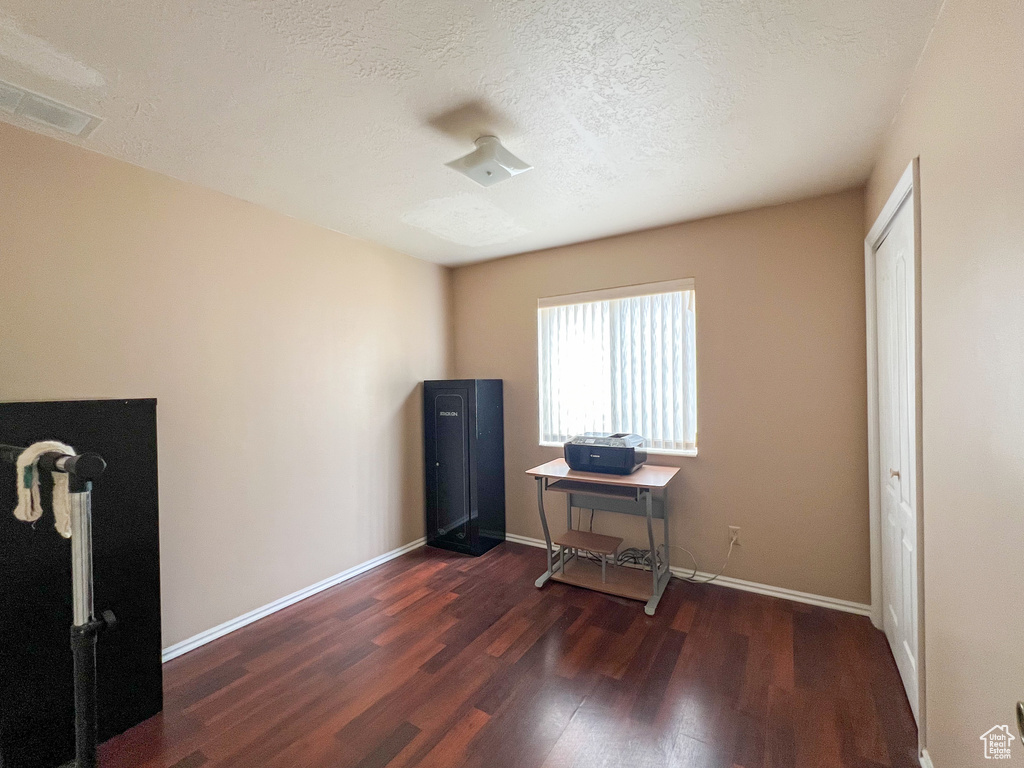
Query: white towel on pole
(30,507)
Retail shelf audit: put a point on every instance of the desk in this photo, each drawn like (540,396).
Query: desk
(626,494)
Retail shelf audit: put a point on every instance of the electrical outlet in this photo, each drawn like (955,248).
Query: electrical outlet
(734,534)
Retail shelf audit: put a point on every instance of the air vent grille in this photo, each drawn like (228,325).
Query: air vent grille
(39,109)
(10,98)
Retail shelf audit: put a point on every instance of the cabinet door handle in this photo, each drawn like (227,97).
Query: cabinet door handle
(894,473)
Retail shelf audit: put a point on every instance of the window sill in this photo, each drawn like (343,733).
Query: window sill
(650,451)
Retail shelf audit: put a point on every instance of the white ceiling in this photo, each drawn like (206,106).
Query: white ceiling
(635,113)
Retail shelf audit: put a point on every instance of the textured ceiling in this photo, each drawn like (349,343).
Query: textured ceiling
(634,113)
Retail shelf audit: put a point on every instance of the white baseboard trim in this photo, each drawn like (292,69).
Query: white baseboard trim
(178,649)
(847,606)
(191,643)
(515,539)
(926,760)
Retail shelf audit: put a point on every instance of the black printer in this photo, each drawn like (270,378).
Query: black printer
(613,454)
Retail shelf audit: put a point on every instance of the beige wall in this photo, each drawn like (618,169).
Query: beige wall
(265,340)
(781,383)
(964,117)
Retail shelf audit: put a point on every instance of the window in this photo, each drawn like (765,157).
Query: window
(620,360)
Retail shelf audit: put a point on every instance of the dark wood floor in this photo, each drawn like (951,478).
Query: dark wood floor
(440,660)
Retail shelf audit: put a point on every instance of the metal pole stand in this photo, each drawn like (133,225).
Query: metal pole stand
(86,626)
(81,471)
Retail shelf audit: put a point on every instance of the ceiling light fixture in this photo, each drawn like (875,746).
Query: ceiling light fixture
(489,163)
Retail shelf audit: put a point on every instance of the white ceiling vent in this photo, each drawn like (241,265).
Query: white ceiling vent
(10,97)
(17,101)
(489,163)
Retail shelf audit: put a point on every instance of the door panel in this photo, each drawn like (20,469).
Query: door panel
(451,433)
(897,412)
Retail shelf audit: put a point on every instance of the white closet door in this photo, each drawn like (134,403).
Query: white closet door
(897,413)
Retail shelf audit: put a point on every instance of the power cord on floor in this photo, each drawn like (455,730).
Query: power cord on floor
(637,557)
(642,557)
(692,578)
(632,556)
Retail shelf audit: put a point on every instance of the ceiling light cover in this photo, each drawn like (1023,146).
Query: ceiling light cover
(489,163)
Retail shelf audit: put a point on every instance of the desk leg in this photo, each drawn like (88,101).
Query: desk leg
(568,525)
(659,577)
(664,519)
(661,582)
(552,566)
(649,506)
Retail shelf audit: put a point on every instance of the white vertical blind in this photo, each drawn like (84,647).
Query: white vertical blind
(624,364)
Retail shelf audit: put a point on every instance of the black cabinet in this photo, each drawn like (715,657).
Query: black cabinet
(465,464)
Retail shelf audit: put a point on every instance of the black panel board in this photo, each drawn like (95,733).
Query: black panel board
(464,454)
(36,684)
(450,414)
(489,483)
